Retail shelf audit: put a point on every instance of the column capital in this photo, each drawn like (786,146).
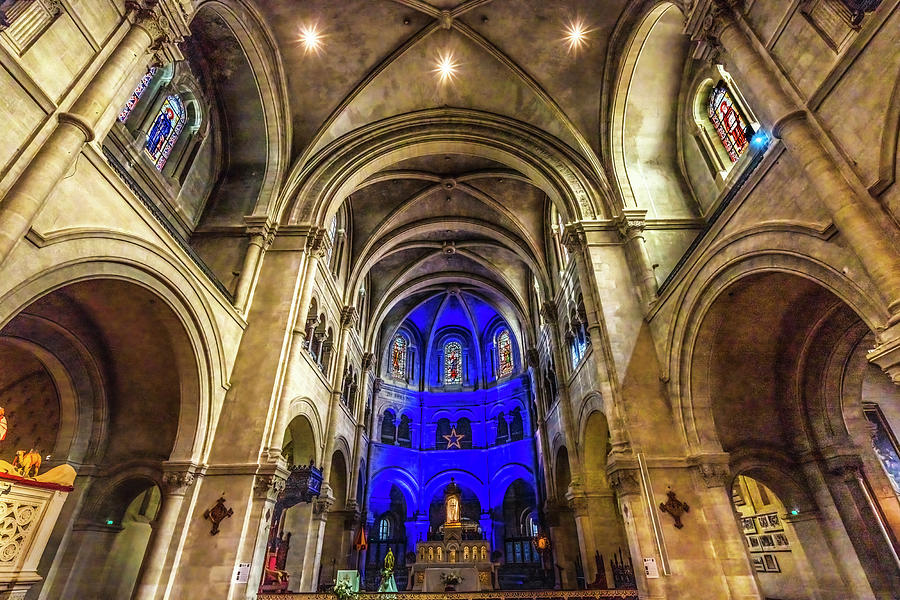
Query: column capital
(267,486)
(318,242)
(261,226)
(176,483)
(886,353)
(349,317)
(533,358)
(322,506)
(368,361)
(631,222)
(574,238)
(376,385)
(625,481)
(147,15)
(549,313)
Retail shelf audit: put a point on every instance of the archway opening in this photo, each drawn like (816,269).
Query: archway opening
(104,376)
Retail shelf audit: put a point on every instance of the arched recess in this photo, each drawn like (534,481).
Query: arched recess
(336,543)
(775,345)
(316,189)
(744,254)
(645,130)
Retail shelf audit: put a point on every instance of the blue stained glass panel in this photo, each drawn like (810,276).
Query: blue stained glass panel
(165,131)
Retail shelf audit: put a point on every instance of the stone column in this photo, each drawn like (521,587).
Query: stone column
(576,243)
(313,554)
(348,321)
(160,555)
(625,481)
(631,229)
(570,433)
(863,524)
(315,248)
(268,483)
(76,127)
(356,460)
(726,537)
(563,544)
(856,215)
(578,503)
(261,235)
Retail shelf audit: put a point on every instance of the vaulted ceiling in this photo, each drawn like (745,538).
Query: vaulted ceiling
(443,218)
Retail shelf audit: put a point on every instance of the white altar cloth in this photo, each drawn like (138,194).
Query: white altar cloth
(469,581)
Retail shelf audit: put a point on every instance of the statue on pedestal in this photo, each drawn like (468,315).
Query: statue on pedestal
(387,574)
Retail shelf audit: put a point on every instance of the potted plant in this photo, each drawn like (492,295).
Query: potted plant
(450,581)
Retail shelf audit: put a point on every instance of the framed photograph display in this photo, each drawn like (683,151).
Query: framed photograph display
(770,522)
(759,564)
(748,524)
(771,563)
(767,541)
(781,541)
(753,543)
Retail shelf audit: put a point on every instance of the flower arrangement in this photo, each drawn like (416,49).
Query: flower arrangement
(451,578)
(343,590)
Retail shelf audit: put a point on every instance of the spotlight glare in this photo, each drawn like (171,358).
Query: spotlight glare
(576,35)
(311,38)
(446,67)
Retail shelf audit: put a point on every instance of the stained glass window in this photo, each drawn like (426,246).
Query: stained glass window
(165,131)
(727,121)
(398,357)
(452,363)
(136,95)
(504,352)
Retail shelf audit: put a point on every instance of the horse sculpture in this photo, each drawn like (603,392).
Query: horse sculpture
(26,461)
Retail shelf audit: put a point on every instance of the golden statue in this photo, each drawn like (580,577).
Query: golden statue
(453,509)
(389,561)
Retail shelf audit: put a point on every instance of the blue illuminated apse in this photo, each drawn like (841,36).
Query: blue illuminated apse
(455,401)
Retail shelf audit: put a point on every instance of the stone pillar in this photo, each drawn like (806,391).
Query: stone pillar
(578,503)
(158,561)
(625,481)
(314,248)
(863,524)
(576,243)
(631,229)
(359,414)
(313,553)
(76,127)
(570,433)
(564,544)
(856,215)
(268,484)
(726,537)
(261,235)
(348,321)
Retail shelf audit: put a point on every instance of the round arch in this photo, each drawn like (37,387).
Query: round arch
(315,190)
(200,357)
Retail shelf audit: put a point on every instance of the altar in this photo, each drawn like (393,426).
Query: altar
(461,552)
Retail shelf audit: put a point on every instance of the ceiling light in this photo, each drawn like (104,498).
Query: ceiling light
(311,38)
(446,67)
(576,35)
